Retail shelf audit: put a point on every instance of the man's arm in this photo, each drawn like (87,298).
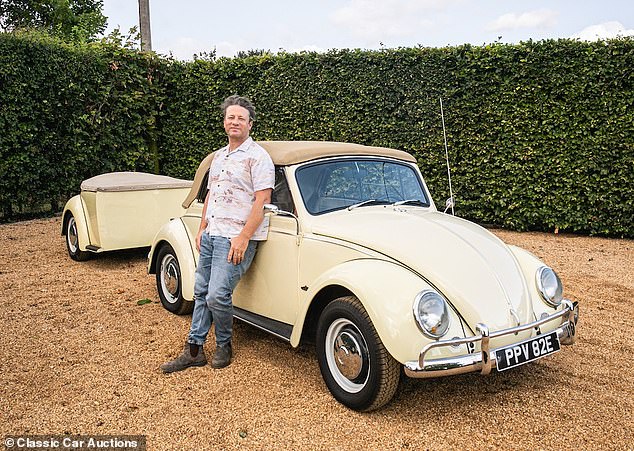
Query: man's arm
(256,216)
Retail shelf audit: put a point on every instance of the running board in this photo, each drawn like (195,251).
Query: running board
(277,328)
(92,248)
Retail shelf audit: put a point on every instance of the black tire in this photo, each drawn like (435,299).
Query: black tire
(362,374)
(169,282)
(72,241)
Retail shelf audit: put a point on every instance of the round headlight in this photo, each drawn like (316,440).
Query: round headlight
(549,286)
(431,313)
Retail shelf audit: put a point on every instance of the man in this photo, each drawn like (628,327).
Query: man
(241,179)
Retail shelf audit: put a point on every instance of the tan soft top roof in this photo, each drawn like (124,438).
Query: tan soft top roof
(132,181)
(285,153)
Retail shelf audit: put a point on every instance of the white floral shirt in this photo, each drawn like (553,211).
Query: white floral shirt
(234,177)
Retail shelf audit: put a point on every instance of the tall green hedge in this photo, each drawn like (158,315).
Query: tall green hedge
(70,112)
(540,134)
(546,136)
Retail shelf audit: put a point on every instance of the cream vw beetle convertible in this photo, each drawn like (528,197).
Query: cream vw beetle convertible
(359,259)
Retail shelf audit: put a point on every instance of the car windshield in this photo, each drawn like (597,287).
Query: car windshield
(355,183)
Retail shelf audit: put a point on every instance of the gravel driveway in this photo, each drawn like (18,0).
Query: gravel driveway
(81,356)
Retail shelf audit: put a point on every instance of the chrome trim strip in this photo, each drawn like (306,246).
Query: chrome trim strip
(485,360)
(282,232)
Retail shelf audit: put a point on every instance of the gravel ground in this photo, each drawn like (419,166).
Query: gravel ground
(80,356)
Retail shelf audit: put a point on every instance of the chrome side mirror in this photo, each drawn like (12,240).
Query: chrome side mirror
(274,210)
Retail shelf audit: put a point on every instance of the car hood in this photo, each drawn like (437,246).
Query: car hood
(473,268)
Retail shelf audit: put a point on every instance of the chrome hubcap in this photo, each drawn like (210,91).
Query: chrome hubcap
(347,355)
(169,278)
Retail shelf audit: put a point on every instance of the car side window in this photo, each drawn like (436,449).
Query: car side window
(202,192)
(281,196)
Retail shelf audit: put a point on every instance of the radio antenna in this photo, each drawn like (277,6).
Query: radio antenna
(450,201)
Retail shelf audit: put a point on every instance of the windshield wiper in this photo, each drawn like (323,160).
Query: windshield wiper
(410,202)
(366,202)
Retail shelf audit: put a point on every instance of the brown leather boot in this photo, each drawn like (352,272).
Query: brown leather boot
(185,360)
(222,356)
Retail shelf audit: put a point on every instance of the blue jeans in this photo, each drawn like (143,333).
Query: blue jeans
(213,287)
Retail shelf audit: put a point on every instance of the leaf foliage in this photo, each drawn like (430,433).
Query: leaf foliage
(540,134)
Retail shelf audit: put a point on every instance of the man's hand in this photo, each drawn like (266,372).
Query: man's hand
(238,248)
(239,243)
(198,238)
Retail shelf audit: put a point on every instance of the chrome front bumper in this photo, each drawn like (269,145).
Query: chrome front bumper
(485,360)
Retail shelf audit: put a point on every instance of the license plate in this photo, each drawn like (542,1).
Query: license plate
(526,351)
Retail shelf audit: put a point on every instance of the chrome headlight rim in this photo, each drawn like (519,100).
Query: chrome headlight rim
(420,322)
(555,299)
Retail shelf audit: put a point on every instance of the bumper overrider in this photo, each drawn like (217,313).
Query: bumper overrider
(484,360)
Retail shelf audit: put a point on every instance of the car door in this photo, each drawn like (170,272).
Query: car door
(268,294)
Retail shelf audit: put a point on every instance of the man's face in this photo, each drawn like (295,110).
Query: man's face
(237,122)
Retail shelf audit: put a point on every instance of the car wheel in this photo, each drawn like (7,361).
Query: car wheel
(356,367)
(72,241)
(168,282)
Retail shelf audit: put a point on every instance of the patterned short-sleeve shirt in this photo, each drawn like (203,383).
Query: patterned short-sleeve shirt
(234,177)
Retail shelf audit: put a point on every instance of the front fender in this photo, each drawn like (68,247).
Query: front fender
(387,292)
(75,206)
(175,234)
(529,265)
